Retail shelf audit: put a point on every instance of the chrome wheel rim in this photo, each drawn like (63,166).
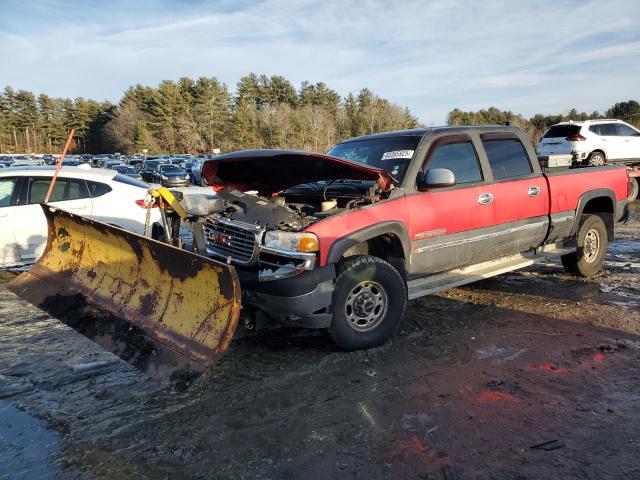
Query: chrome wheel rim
(366,306)
(591,245)
(597,160)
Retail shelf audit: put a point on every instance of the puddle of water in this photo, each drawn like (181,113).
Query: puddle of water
(26,446)
(624,304)
(625,246)
(626,297)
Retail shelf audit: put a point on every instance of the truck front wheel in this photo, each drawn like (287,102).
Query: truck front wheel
(369,300)
(592,243)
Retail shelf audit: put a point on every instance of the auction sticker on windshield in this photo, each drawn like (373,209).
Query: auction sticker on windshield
(397,154)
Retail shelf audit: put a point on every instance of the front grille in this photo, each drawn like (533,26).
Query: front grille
(231,240)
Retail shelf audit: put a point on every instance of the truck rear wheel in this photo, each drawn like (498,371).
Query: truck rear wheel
(634,188)
(592,243)
(369,300)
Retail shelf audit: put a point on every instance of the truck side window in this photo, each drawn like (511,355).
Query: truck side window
(458,157)
(507,158)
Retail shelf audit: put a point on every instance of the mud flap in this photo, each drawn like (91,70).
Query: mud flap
(168,312)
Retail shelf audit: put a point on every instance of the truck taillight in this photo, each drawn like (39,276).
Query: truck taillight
(576,137)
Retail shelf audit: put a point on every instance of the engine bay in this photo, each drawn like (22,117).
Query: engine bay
(296,208)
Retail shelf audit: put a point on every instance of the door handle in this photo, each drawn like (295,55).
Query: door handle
(485,198)
(3,214)
(534,191)
(83,207)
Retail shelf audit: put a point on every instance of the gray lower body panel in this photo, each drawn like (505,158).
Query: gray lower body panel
(437,254)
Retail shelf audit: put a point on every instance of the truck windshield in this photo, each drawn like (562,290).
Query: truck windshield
(392,154)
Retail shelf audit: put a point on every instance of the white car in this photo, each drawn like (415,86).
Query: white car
(103,195)
(595,142)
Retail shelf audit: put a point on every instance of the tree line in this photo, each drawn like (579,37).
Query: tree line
(536,126)
(197,116)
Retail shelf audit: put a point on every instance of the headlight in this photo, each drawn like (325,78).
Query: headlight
(295,242)
(164,177)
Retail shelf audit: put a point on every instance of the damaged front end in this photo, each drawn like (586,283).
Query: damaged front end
(255,232)
(271,197)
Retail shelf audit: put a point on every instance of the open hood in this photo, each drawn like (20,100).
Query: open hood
(276,170)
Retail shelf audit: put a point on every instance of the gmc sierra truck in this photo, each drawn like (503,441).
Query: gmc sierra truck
(342,241)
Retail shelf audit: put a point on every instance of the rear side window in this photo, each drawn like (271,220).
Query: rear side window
(38,190)
(595,129)
(507,158)
(562,131)
(608,130)
(77,189)
(626,131)
(460,158)
(97,189)
(130,181)
(8,190)
(64,189)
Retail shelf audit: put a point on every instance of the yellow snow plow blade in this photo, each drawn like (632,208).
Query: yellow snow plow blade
(163,309)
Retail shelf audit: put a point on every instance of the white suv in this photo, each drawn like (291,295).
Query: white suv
(103,195)
(593,141)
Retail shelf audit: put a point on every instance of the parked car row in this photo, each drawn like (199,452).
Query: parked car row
(184,168)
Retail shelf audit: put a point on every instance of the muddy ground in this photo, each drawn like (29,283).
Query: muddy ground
(530,375)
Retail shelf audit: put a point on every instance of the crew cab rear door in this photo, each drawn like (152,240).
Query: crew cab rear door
(520,193)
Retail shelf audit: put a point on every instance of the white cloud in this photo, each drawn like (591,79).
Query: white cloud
(430,56)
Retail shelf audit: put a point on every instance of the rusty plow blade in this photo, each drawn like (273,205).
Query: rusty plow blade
(168,312)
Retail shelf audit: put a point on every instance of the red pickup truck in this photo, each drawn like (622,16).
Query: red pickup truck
(342,241)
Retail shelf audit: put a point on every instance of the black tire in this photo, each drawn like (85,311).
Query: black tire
(596,158)
(592,243)
(369,299)
(633,194)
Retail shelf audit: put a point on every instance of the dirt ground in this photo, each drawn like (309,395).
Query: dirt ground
(529,375)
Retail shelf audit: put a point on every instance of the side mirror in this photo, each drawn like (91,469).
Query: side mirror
(435,178)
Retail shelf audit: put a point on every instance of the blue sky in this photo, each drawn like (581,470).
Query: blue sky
(431,56)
